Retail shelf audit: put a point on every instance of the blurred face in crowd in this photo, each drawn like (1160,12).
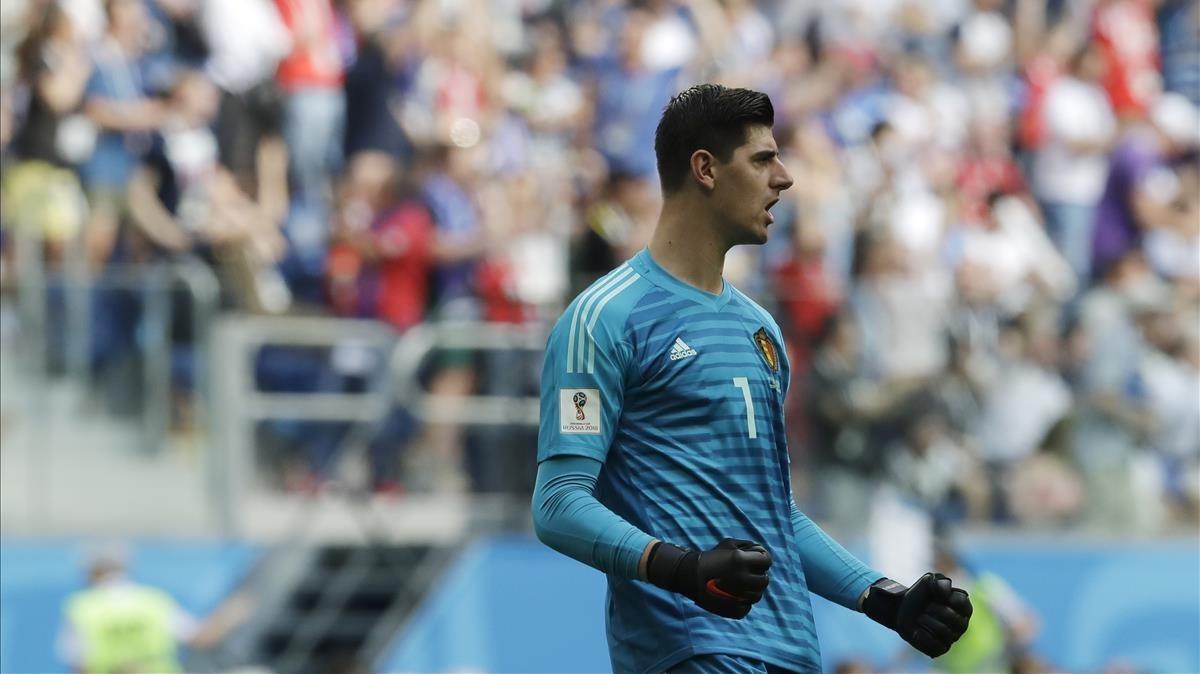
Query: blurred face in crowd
(1160,329)
(1088,64)
(928,431)
(913,76)
(1044,348)
(196,99)
(746,187)
(63,28)
(127,21)
(549,60)
(632,32)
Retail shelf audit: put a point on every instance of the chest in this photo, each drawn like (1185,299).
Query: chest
(725,373)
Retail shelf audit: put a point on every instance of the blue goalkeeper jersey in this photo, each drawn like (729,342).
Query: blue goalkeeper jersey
(679,393)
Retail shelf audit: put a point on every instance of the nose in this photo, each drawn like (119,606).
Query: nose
(781,180)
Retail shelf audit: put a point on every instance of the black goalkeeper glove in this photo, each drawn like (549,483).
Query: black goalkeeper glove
(931,615)
(726,580)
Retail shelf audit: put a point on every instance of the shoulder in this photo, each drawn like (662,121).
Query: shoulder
(756,309)
(603,308)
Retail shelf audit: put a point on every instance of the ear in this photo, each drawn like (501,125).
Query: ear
(704,168)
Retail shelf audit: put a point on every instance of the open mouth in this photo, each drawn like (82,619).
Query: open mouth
(767,210)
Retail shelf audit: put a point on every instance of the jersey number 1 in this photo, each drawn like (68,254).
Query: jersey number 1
(744,384)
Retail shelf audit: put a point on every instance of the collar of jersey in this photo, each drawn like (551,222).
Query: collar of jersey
(646,265)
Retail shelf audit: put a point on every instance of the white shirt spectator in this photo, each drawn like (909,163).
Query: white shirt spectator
(1014,252)
(247,40)
(1173,254)
(938,118)
(1171,387)
(908,314)
(1022,406)
(669,42)
(1075,112)
(88,18)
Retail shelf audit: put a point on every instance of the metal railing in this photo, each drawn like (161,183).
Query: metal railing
(238,404)
(50,359)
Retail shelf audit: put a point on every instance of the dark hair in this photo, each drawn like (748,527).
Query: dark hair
(29,51)
(705,117)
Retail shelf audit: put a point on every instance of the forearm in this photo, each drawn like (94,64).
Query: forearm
(832,572)
(132,116)
(151,216)
(568,518)
(271,171)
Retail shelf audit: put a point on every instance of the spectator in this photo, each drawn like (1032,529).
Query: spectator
(1174,249)
(841,404)
(1140,186)
(902,308)
(383,63)
(54,64)
(450,180)
(118,103)
(1112,416)
(549,98)
(1125,32)
(175,41)
(182,198)
(1016,262)
(314,110)
(1026,399)
(1002,625)
(382,254)
(1045,489)
(38,192)
(1070,168)
(250,140)
(629,95)
(1179,24)
(929,466)
(1168,372)
(846,410)
(118,625)
(249,126)
(172,195)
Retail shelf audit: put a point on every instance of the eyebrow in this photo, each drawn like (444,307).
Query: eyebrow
(764,154)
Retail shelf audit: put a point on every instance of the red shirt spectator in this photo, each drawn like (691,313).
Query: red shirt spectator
(314,60)
(981,175)
(494,283)
(1128,39)
(384,273)
(808,297)
(1039,73)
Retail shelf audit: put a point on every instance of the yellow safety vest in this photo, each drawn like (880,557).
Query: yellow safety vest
(981,650)
(124,630)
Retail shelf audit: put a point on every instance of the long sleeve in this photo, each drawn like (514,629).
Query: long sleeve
(568,517)
(832,572)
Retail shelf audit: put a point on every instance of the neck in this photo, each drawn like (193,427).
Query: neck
(686,245)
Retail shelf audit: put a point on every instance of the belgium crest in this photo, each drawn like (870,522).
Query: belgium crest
(766,347)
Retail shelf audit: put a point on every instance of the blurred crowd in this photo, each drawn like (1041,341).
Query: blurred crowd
(988,270)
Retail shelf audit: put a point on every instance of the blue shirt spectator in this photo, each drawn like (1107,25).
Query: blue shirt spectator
(1179,24)
(457,222)
(115,99)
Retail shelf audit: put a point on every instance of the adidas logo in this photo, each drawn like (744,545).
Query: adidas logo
(680,350)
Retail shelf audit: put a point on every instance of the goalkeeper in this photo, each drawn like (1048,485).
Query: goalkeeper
(662,458)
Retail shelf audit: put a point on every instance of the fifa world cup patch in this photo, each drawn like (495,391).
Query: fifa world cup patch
(579,411)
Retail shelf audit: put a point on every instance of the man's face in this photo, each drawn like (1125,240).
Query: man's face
(748,185)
